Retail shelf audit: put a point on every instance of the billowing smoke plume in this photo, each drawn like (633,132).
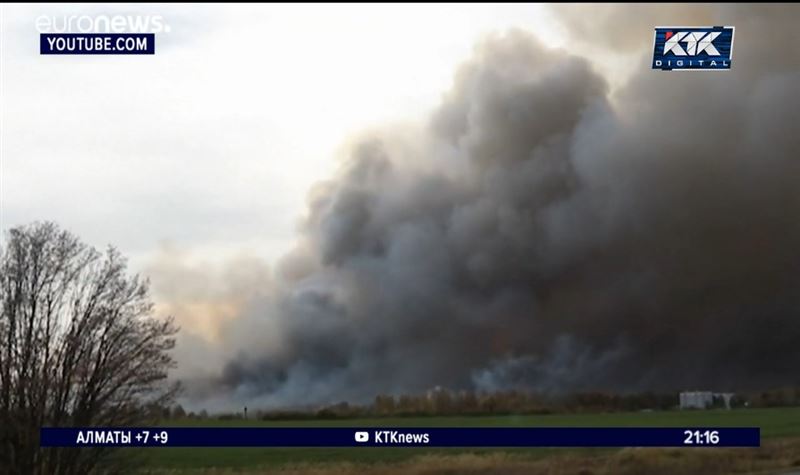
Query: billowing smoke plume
(539,232)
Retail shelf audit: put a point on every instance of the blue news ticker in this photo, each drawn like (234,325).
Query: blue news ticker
(401,437)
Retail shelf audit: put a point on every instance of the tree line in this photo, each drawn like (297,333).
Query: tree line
(443,402)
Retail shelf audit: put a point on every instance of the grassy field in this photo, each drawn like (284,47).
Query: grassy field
(780,431)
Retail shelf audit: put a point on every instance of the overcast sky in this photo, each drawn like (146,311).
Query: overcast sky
(210,145)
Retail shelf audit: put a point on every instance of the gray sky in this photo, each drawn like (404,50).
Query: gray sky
(210,145)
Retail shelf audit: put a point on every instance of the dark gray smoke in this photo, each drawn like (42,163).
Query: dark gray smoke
(541,233)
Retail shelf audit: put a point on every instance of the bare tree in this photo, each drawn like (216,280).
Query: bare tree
(79,346)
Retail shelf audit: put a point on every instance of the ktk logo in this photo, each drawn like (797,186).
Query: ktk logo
(693,48)
(696,42)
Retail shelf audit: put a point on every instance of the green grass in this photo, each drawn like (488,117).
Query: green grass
(774,423)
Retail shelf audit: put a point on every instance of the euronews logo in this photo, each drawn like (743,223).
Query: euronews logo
(693,48)
(102,24)
(99,34)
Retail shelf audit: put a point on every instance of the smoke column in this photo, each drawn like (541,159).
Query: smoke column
(538,232)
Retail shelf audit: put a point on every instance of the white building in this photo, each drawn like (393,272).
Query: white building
(703,399)
(696,399)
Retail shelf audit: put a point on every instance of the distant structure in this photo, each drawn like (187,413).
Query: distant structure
(696,399)
(703,399)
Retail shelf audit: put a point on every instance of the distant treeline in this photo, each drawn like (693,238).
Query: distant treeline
(441,402)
